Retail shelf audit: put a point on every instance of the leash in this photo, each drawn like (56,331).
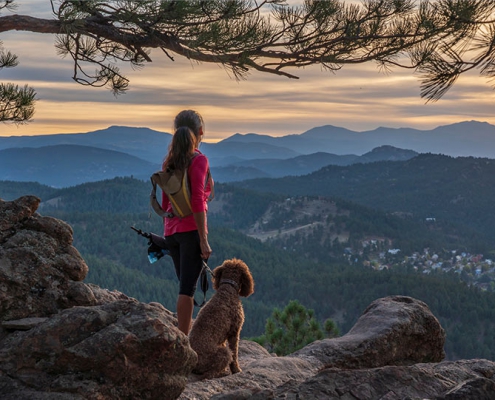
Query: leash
(205,267)
(203,278)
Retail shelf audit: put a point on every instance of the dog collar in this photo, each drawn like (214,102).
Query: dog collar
(230,282)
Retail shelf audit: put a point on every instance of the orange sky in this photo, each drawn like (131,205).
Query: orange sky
(358,98)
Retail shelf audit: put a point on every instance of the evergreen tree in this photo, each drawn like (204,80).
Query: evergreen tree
(293,328)
(16,103)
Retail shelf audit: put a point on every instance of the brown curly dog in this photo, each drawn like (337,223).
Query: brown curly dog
(220,321)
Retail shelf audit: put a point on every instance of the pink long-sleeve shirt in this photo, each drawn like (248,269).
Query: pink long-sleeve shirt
(197,175)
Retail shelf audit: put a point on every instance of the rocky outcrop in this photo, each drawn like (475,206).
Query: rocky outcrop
(393,352)
(41,272)
(61,338)
(396,330)
(64,339)
(288,378)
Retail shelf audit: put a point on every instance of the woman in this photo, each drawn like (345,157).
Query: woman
(187,238)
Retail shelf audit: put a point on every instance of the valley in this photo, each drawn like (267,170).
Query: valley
(333,236)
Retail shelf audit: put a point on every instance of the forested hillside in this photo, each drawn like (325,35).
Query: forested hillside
(101,214)
(320,228)
(10,190)
(460,189)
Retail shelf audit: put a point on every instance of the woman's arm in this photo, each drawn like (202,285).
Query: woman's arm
(197,176)
(200,219)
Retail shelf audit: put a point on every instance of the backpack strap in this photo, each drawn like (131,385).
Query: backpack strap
(154,202)
(209,180)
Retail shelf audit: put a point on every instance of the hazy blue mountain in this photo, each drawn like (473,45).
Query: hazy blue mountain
(462,139)
(236,173)
(246,151)
(148,144)
(145,143)
(305,164)
(315,140)
(470,138)
(228,160)
(68,165)
(385,153)
(299,165)
(273,168)
(248,156)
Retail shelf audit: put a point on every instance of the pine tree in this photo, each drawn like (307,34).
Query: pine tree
(16,103)
(293,328)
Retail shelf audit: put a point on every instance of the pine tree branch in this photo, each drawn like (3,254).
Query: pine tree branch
(433,38)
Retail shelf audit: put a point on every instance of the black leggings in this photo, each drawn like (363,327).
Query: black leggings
(186,253)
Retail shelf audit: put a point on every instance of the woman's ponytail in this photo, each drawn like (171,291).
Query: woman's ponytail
(181,149)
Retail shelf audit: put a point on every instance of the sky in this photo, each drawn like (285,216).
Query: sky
(358,97)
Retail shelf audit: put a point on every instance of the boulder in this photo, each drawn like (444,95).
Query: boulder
(270,377)
(419,381)
(122,349)
(395,330)
(40,270)
(63,339)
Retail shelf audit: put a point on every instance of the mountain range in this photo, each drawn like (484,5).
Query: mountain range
(67,159)
(469,138)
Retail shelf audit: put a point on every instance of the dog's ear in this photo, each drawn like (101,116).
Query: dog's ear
(247,282)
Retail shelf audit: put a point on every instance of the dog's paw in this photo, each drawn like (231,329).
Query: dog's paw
(235,369)
(215,374)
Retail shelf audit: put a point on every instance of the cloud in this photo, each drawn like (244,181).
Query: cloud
(358,97)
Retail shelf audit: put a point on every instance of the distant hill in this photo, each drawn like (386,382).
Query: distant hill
(62,160)
(232,173)
(470,138)
(143,143)
(326,139)
(238,157)
(246,151)
(458,189)
(11,190)
(70,165)
(299,165)
(305,164)
(385,153)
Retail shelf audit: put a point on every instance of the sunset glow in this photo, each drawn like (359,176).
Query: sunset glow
(357,97)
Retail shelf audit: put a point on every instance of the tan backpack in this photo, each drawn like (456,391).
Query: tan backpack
(174,184)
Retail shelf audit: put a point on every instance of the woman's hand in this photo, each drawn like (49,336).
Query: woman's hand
(205,249)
